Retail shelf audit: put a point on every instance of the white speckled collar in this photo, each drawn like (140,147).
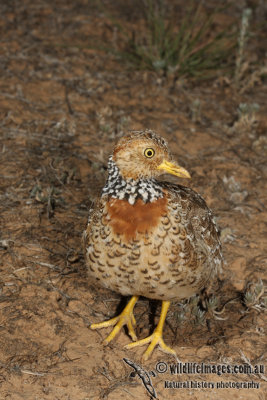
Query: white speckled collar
(116,187)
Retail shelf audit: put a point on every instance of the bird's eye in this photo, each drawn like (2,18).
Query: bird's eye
(149,153)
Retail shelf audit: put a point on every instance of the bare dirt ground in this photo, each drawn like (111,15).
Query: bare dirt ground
(63,105)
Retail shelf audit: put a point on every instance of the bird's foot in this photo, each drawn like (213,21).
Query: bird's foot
(126,317)
(154,340)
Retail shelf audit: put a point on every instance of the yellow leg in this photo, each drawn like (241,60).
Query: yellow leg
(126,317)
(156,337)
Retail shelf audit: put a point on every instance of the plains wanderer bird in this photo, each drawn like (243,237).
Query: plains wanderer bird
(149,238)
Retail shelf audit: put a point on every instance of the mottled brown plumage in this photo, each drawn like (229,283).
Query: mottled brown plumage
(149,238)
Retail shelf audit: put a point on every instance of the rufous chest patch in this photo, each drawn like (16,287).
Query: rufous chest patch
(128,220)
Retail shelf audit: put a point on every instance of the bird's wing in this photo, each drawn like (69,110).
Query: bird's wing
(199,222)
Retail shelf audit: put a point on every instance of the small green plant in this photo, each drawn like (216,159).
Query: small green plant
(187,48)
(254,296)
(245,109)
(247,119)
(212,305)
(199,316)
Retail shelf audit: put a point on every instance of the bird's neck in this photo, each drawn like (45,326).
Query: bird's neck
(148,190)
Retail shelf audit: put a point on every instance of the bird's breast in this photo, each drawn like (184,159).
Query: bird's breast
(127,220)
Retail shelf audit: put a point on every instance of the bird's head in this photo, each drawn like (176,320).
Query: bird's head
(144,154)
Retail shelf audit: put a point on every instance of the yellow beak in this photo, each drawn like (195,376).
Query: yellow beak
(174,169)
